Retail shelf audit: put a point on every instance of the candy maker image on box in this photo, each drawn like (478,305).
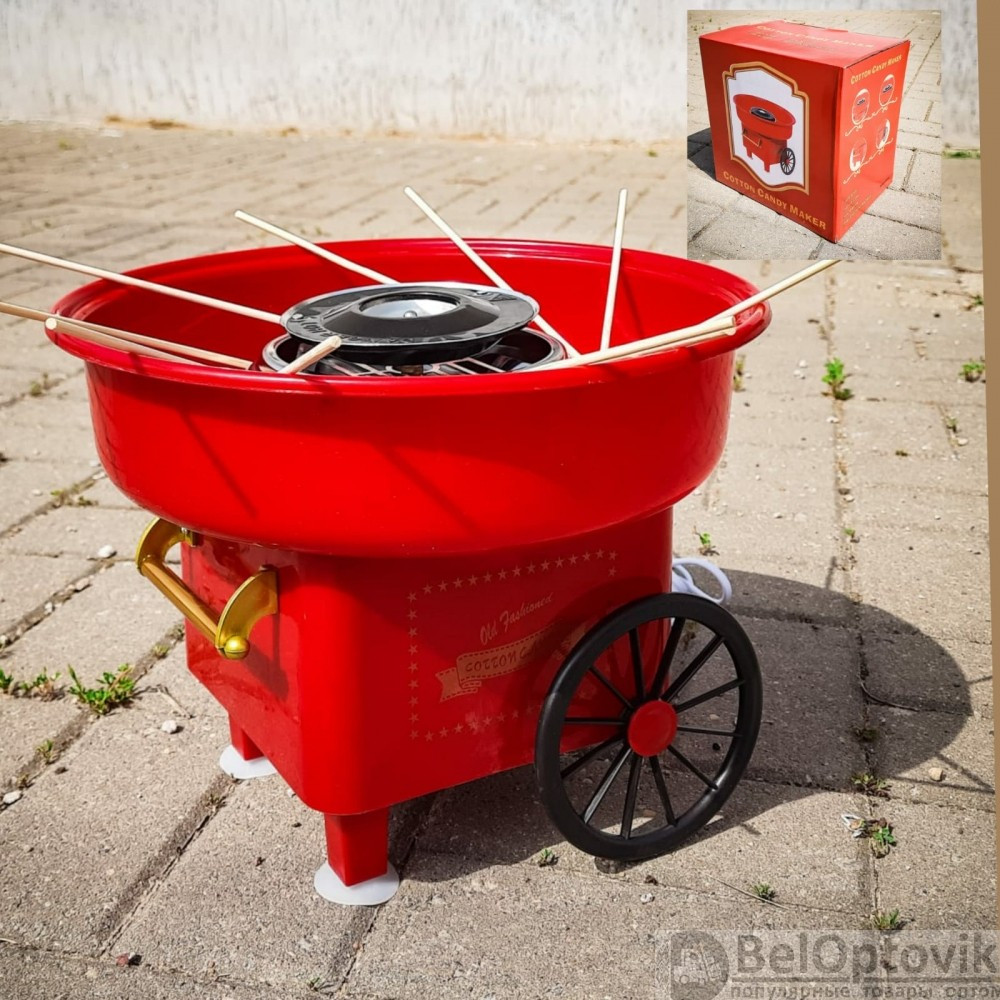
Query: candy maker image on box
(425,531)
(818,105)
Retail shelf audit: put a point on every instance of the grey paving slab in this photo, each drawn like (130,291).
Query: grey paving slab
(794,484)
(912,744)
(939,675)
(963,244)
(898,466)
(27,582)
(107,496)
(500,822)
(72,446)
(782,423)
(880,235)
(943,873)
(812,699)
(761,542)
(939,381)
(27,723)
(960,516)
(885,427)
(925,175)
(950,603)
(29,974)
(250,919)
(80,531)
(77,850)
(115,620)
(524,932)
(27,485)
(798,590)
(740,232)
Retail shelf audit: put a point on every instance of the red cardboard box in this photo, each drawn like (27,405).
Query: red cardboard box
(804,119)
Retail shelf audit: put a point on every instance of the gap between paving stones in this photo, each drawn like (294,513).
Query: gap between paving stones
(68,492)
(846,560)
(876,806)
(158,867)
(33,972)
(48,383)
(76,727)
(41,611)
(253,820)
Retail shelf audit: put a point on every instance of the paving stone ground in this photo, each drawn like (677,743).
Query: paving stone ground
(903,223)
(855,534)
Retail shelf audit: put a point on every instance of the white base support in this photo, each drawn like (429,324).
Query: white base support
(376,890)
(239,767)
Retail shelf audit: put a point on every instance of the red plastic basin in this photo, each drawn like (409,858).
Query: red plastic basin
(412,465)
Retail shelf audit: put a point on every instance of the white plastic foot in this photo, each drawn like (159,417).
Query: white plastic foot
(239,767)
(376,890)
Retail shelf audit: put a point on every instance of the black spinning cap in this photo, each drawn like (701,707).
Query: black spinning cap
(415,324)
(763,113)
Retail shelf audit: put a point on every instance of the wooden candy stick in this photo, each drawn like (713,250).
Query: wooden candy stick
(60,325)
(778,287)
(616,260)
(299,241)
(723,324)
(149,286)
(303,361)
(707,330)
(212,357)
(481,264)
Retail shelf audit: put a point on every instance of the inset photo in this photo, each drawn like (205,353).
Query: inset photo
(814,134)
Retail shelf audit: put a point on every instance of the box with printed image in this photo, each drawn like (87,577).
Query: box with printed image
(804,119)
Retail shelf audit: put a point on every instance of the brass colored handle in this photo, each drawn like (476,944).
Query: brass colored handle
(254,598)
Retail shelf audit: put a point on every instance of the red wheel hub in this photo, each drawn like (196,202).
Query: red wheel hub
(652,728)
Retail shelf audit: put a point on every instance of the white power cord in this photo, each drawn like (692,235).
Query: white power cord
(682,583)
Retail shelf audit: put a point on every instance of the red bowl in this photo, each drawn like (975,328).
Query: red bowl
(412,465)
(780,128)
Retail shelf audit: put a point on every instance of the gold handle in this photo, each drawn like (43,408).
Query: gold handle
(254,598)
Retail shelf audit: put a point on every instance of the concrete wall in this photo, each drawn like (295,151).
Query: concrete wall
(518,69)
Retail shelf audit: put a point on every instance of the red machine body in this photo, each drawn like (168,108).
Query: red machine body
(383,679)
(439,544)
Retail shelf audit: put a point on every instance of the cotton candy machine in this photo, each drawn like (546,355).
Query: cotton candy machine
(443,551)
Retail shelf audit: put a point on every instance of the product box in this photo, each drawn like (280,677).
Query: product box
(804,119)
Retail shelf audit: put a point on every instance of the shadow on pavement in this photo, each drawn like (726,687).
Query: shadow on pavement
(810,648)
(700,151)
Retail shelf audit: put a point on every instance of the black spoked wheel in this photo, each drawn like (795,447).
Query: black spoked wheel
(787,160)
(648,726)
